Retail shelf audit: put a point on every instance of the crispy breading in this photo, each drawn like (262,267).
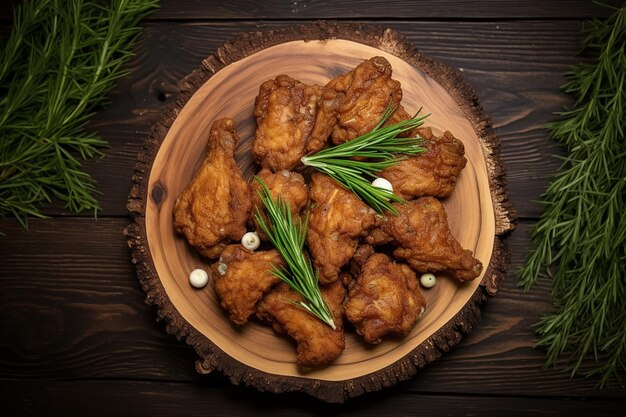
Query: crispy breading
(214,208)
(361,255)
(353,103)
(423,239)
(317,343)
(337,221)
(285,110)
(242,277)
(431,173)
(385,299)
(291,188)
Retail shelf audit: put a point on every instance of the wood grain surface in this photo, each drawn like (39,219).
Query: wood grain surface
(106,398)
(403,9)
(91,322)
(76,337)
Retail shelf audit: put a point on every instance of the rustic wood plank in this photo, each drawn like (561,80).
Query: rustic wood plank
(515,67)
(403,9)
(71,307)
(6,11)
(120,398)
(62,303)
(64,316)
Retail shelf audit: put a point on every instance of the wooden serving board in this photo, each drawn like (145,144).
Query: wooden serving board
(225,86)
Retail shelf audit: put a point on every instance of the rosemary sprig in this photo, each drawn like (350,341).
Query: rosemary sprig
(381,147)
(57,65)
(580,239)
(288,238)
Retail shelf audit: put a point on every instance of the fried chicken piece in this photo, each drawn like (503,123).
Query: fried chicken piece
(361,255)
(336,223)
(385,299)
(291,188)
(285,110)
(353,103)
(214,207)
(400,115)
(432,173)
(317,343)
(346,279)
(242,278)
(422,236)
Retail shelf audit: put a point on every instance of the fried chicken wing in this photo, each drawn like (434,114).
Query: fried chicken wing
(317,343)
(385,299)
(291,188)
(214,207)
(337,221)
(432,173)
(353,103)
(422,236)
(285,110)
(242,278)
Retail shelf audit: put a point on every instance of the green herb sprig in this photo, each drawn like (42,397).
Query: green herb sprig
(288,238)
(580,240)
(381,147)
(57,65)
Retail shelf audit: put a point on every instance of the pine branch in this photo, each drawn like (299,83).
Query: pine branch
(580,239)
(288,238)
(57,66)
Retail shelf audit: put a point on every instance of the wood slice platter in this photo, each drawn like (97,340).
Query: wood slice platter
(225,86)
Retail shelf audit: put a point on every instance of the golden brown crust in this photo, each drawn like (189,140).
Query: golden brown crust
(326,118)
(423,239)
(361,255)
(213,209)
(353,103)
(291,188)
(385,299)
(432,173)
(242,277)
(337,221)
(285,110)
(318,344)
(400,115)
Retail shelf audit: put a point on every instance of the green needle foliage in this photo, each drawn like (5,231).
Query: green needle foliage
(57,65)
(381,146)
(580,239)
(288,238)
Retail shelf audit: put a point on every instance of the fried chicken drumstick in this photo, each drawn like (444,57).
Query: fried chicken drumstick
(423,239)
(214,208)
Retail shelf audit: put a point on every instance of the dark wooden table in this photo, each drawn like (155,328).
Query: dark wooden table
(76,336)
